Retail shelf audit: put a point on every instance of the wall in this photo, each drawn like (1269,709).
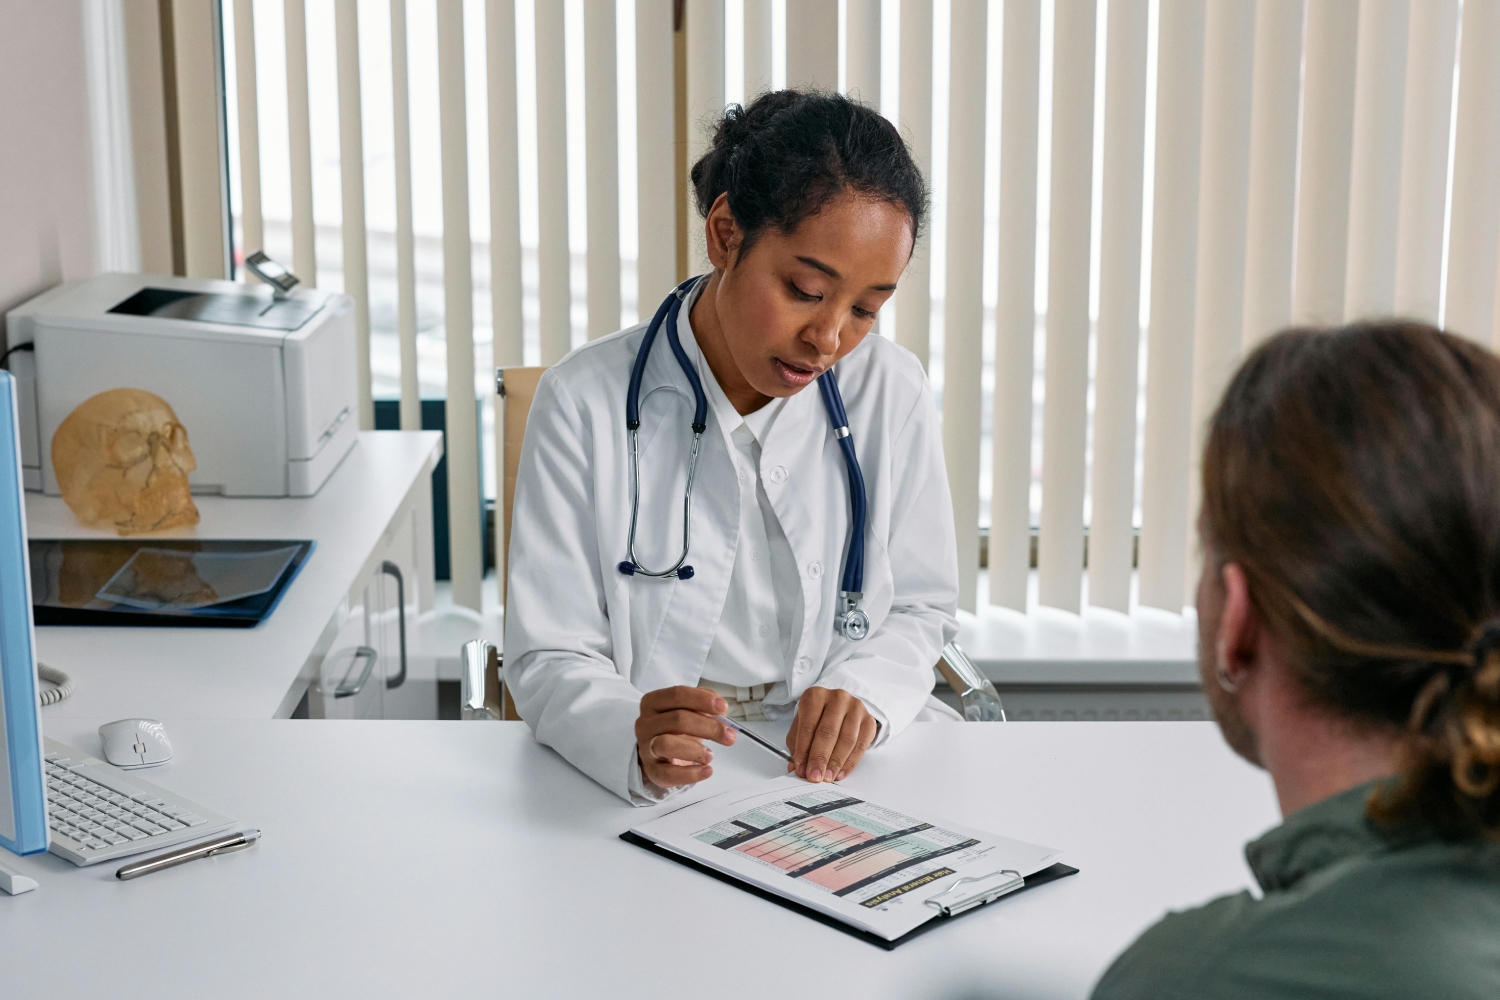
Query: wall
(46,197)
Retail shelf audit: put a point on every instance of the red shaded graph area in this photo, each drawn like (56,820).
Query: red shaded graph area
(857,867)
(813,839)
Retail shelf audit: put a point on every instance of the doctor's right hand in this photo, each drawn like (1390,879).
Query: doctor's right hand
(669,734)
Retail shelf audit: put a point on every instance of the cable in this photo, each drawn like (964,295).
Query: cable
(64,683)
(30,345)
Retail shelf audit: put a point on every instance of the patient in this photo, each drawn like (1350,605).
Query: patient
(1349,623)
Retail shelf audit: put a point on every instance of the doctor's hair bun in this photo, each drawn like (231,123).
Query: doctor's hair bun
(790,152)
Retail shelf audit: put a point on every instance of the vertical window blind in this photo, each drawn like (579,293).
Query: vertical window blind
(1130,194)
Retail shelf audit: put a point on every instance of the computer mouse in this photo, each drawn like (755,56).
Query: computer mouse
(135,743)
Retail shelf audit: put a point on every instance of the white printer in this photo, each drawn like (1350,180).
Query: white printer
(264,384)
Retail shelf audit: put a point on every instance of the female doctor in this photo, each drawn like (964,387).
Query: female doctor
(693,534)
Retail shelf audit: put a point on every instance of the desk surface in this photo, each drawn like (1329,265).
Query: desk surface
(438,859)
(164,673)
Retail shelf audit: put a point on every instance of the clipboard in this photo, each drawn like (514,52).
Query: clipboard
(951,906)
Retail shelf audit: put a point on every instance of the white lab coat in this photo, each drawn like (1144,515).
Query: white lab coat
(584,642)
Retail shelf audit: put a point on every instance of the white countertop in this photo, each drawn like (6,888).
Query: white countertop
(162,673)
(446,859)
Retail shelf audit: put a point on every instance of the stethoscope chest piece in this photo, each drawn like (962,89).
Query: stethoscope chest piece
(850,622)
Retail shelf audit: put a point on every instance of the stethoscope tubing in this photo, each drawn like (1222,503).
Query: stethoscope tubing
(667,311)
(854,560)
(638,369)
(850,621)
(677,569)
(665,314)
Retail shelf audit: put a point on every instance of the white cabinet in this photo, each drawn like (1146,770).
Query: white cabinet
(376,508)
(351,682)
(369,651)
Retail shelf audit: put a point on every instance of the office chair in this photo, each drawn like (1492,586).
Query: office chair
(980,700)
(483,694)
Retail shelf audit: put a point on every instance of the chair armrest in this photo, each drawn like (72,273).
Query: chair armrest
(483,694)
(980,700)
(479,697)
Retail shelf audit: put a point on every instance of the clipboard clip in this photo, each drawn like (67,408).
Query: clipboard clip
(969,892)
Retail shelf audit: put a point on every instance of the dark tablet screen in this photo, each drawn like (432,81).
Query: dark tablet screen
(184,582)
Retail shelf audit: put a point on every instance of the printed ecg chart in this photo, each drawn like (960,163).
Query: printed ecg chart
(831,850)
(844,845)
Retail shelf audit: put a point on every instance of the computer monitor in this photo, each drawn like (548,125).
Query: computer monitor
(23,795)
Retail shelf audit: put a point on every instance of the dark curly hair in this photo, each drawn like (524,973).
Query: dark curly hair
(783,158)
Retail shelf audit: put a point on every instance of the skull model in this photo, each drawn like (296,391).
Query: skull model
(122,460)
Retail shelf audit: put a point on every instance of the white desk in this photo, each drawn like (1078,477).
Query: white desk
(259,673)
(444,859)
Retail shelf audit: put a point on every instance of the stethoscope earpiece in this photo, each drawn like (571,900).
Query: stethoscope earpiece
(850,622)
(629,569)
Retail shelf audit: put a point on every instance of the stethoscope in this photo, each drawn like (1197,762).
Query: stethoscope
(849,621)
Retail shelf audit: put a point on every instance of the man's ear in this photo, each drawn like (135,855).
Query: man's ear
(1241,632)
(722,234)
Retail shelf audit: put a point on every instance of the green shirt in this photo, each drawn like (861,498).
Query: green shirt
(1350,910)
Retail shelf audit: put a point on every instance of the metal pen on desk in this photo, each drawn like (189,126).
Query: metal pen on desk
(236,841)
(767,744)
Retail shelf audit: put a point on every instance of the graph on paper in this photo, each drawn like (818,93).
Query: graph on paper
(843,845)
(831,849)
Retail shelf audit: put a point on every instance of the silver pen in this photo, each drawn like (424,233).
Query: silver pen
(762,742)
(236,841)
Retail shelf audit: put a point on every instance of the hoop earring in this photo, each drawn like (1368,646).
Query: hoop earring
(1222,676)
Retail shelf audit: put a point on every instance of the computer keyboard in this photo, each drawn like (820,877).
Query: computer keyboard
(97,812)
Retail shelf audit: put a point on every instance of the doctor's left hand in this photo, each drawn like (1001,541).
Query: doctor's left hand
(831,732)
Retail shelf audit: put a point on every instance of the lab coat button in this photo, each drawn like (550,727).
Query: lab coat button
(778,475)
(803,664)
(815,570)
(765,630)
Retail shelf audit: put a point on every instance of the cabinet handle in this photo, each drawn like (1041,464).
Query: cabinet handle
(348,690)
(391,569)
